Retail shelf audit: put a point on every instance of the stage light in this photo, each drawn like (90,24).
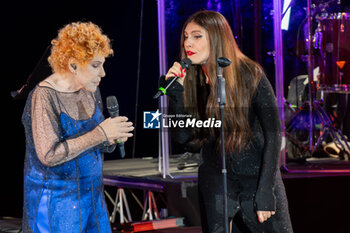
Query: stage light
(286,14)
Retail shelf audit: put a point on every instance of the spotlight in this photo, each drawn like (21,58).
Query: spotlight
(286,14)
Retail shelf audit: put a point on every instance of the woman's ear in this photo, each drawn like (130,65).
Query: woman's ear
(72,66)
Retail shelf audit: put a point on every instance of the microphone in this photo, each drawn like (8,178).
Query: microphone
(185,64)
(113,110)
(223,62)
(182,166)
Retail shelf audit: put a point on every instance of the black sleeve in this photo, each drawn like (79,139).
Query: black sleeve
(176,107)
(265,106)
(174,92)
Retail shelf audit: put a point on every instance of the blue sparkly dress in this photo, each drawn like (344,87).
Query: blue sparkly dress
(63,188)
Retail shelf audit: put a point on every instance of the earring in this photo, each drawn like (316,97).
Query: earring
(74,67)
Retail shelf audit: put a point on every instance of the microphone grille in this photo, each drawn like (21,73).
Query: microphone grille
(186,63)
(112,102)
(223,61)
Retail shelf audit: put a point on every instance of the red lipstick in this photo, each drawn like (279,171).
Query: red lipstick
(189,53)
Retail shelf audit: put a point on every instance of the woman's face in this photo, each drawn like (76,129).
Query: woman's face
(88,77)
(196,43)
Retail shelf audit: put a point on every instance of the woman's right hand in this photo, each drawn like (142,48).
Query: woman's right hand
(117,128)
(178,71)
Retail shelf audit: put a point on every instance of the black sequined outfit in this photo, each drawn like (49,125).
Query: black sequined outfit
(253,178)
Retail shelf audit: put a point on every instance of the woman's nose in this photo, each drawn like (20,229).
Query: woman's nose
(102,72)
(188,43)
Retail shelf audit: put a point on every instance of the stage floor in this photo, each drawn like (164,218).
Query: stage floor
(318,190)
(148,166)
(144,173)
(13,225)
(147,169)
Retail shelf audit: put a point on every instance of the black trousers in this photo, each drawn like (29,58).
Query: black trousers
(240,204)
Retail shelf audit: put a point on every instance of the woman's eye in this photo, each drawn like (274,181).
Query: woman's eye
(197,37)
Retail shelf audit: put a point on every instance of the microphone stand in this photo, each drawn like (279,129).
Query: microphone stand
(30,82)
(310,62)
(221,95)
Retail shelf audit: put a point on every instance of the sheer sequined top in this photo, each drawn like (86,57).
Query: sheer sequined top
(41,119)
(64,160)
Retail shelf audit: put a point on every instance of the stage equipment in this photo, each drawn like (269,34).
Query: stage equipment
(327,38)
(40,71)
(120,201)
(321,124)
(279,72)
(179,195)
(163,139)
(287,5)
(152,225)
(334,150)
(120,204)
(152,209)
(221,94)
(333,44)
(138,80)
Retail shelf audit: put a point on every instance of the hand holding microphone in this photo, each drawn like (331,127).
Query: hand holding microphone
(117,128)
(178,70)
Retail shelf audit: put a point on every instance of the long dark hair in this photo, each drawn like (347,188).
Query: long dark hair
(242,77)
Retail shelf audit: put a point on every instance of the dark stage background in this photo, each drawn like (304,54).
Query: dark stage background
(29,26)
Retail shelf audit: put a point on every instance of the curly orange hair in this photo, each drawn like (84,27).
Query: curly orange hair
(79,41)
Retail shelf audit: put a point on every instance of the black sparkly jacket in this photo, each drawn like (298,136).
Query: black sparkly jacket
(256,166)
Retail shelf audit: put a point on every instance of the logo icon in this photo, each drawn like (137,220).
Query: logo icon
(151,119)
